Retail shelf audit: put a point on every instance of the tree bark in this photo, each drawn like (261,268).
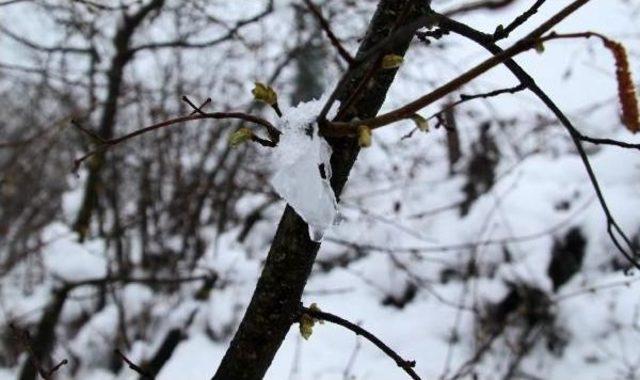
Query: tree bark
(275,303)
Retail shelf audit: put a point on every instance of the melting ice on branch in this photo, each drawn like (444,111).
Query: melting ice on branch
(298,158)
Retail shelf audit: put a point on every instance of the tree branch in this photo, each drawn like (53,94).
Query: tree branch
(530,41)
(502,33)
(324,24)
(108,144)
(275,304)
(143,374)
(406,365)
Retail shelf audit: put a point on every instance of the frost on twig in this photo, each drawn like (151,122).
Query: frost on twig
(303,170)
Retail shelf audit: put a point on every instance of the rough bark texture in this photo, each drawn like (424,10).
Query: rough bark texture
(276,300)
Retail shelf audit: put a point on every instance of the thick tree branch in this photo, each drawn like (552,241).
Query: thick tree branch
(275,304)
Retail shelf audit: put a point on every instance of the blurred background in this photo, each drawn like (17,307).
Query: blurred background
(477,249)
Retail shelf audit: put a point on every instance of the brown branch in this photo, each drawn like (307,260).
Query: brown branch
(108,144)
(324,24)
(532,40)
(406,365)
(408,110)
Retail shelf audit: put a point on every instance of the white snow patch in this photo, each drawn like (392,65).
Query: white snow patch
(298,157)
(70,260)
(192,359)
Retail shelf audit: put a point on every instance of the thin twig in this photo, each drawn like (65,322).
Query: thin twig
(465,98)
(196,109)
(406,365)
(25,340)
(10,2)
(599,141)
(324,24)
(94,136)
(139,280)
(167,123)
(510,90)
(57,367)
(465,246)
(502,33)
(143,374)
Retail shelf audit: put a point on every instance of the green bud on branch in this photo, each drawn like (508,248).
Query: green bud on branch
(364,136)
(421,123)
(240,136)
(307,322)
(264,93)
(391,61)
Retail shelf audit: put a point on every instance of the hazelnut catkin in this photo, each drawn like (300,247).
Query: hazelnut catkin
(626,88)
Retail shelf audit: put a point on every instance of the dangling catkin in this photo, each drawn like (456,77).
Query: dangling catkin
(626,88)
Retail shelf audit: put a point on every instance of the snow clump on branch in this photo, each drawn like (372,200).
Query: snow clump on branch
(303,168)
